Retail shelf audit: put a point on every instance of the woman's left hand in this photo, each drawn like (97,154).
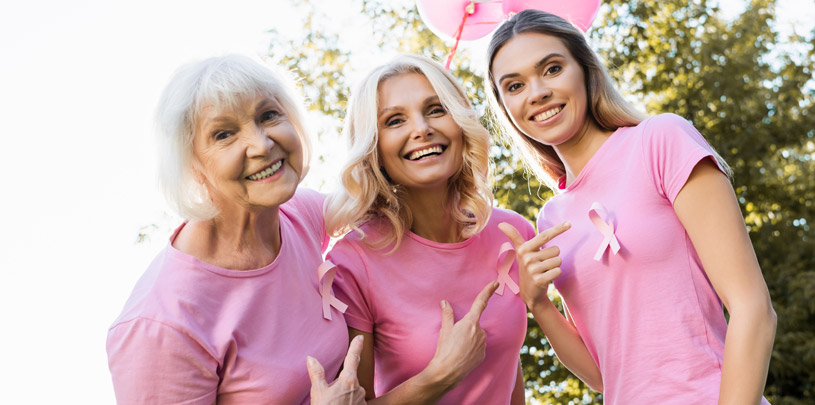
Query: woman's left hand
(345,389)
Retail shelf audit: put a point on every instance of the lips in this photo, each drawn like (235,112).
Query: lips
(425,152)
(545,115)
(267,171)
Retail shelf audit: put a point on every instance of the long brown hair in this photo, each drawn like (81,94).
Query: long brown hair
(607,107)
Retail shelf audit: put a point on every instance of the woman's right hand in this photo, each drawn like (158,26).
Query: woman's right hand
(345,389)
(537,266)
(462,345)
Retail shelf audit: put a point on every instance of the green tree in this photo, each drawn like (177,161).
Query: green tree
(748,91)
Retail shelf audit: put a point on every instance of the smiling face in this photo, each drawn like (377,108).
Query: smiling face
(542,87)
(419,144)
(249,156)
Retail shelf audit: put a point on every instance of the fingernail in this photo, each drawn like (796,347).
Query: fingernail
(357,337)
(443,303)
(310,360)
(567,224)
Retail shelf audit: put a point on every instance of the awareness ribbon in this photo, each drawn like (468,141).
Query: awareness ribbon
(506,256)
(325,275)
(596,214)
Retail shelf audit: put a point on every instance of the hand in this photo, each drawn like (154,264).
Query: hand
(537,266)
(345,389)
(462,345)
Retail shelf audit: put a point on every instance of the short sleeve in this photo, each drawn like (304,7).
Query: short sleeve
(673,147)
(309,204)
(351,285)
(526,228)
(151,362)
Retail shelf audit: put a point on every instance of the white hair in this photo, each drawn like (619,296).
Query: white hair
(221,83)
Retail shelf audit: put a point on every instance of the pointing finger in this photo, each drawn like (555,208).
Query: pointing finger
(512,233)
(316,373)
(447,316)
(352,358)
(549,234)
(480,303)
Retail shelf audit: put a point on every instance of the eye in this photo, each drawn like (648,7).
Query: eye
(513,87)
(554,69)
(221,135)
(393,121)
(436,110)
(269,115)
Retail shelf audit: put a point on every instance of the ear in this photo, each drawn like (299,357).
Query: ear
(197,174)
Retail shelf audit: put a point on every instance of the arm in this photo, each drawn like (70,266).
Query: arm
(151,362)
(461,347)
(708,210)
(536,269)
(518,394)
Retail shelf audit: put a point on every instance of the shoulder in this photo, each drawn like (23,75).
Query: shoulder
(504,215)
(168,291)
(305,211)
(305,201)
(513,218)
(659,127)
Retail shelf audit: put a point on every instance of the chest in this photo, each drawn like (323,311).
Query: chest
(266,329)
(407,320)
(631,214)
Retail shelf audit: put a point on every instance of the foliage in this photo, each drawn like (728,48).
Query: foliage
(749,92)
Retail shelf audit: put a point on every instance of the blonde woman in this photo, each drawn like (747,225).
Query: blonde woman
(424,253)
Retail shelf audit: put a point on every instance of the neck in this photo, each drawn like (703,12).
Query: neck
(234,240)
(576,152)
(432,215)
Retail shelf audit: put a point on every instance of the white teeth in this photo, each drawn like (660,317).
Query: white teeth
(546,114)
(268,172)
(420,153)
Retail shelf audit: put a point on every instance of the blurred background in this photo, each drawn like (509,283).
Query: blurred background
(81,217)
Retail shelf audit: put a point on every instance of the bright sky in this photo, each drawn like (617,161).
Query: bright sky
(78,84)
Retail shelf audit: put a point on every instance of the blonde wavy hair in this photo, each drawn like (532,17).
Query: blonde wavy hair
(367,193)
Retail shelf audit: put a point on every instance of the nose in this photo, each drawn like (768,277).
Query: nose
(258,142)
(540,91)
(421,128)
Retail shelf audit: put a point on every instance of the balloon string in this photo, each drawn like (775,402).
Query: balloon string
(458,38)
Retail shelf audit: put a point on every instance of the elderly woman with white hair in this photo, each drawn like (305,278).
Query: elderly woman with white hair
(230,310)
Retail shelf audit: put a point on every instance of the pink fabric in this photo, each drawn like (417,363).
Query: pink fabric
(648,314)
(396,297)
(193,333)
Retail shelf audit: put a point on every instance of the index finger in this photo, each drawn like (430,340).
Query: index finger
(544,237)
(352,358)
(480,303)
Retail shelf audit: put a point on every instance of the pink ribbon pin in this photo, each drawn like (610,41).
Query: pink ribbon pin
(506,256)
(325,274)
(596,214)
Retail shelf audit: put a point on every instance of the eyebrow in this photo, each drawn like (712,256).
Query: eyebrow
(226,118)
(538,65)
(431,99)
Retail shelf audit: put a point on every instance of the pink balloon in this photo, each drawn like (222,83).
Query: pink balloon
(580,12)
(443,17)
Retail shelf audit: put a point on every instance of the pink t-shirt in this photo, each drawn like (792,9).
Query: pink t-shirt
(194,333)
(396,297)
(648,314)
